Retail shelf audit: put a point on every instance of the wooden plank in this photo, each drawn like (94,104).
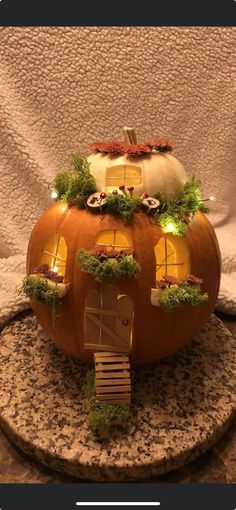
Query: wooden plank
(102,311)
(103,327)
(113,366)
(112,382)
(102,347)
(92,330)
(111,359)
(97,354)
(118,397)
(117,389)
(125,403)
(109,302)
(109,375)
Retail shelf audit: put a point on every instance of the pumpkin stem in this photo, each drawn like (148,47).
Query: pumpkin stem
(130,135)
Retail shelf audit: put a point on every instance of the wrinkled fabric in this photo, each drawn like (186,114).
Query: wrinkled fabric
(62,88)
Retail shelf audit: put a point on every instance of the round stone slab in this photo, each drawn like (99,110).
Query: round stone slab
(181,405)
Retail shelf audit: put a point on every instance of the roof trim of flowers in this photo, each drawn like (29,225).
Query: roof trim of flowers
(118,148)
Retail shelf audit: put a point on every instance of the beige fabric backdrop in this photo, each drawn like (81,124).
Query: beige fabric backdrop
(63,87)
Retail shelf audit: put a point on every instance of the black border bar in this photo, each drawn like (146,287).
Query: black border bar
(117,13)
(170,496)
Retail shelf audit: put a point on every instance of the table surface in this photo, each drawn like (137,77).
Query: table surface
(215,466)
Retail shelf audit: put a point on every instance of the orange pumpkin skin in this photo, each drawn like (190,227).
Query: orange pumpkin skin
(156,332)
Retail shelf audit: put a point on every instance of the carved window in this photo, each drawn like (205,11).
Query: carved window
(54,253)
(129,175)
(172,257)
(114,239)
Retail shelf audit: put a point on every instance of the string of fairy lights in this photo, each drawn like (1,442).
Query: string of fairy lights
(170,227)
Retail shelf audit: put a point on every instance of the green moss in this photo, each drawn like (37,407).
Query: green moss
(37,290)
(89,387)
(184,294)
(103,416)
(178,225)
(123,205)
(76,183)
(110,271)
(174,210)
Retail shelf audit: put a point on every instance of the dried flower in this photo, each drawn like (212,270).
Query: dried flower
(42,268)
(115,147)
(99,250)
(194,280)
(137,150)
(112,254)
(161,284)
(160,145)
(172,280)
(57,278)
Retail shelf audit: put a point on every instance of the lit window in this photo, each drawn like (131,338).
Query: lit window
(123,174)
(54,253)
(114,239)
(172,257)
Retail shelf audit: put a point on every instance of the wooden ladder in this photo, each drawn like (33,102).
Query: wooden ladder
(112,378)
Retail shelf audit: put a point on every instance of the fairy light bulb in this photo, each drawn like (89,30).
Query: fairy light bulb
(212,198)
(169,227)
(54,194)
(55,269)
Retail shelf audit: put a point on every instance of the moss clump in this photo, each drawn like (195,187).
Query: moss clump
(178,226)
(103,416)
(75,184)
(37,290)
(109,271)
(123,205)
(184,294)
(175,210)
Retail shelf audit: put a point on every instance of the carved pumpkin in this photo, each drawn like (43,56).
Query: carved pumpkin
(120,316)
(136,165)
(148,173)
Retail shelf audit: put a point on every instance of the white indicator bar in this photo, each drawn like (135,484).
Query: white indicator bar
(118,503)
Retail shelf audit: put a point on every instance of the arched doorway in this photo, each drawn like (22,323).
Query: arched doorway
(108,321)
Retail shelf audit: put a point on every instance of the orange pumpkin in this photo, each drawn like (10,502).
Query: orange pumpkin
(122,317)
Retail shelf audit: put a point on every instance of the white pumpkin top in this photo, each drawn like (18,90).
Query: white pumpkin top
(150,173)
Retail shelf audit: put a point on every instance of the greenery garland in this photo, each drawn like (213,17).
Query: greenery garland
(175,211)
(77,184)
(184,294)
(37,289)
(123,205)
(109,271)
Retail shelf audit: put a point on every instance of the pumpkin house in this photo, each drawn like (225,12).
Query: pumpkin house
(124,267)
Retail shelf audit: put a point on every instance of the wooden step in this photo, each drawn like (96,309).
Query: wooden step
(106,354)
(113,382)
(110,375)
(112,378)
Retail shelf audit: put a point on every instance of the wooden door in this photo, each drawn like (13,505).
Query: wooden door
(108,321)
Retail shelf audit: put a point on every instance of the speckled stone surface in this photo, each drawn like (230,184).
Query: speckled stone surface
(181,406)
